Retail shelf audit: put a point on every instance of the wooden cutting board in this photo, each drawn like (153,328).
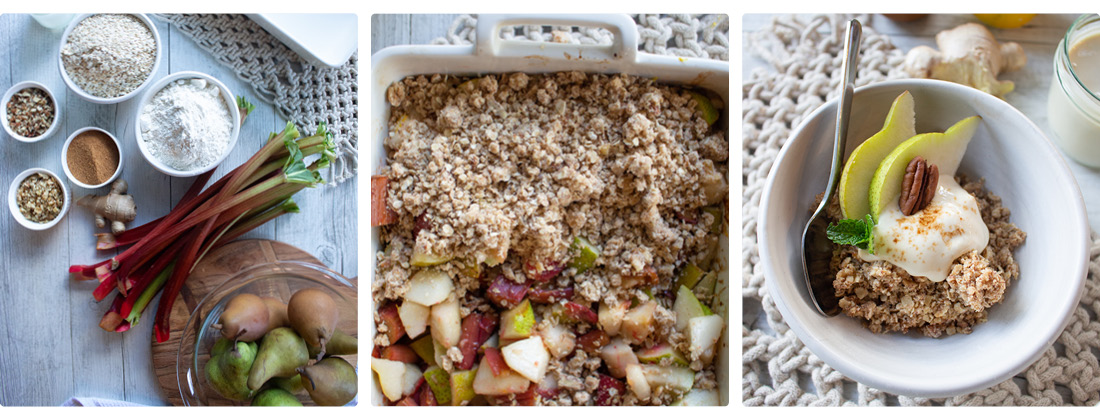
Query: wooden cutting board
(213,270)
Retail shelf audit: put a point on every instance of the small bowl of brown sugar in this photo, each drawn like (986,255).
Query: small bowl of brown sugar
(92,157)
(30,112)
(38,199)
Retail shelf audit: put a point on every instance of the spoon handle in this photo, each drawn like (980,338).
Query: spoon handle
(844,109)
(816,248)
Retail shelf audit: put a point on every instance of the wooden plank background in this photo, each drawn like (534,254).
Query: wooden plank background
(51,347)
(387,30)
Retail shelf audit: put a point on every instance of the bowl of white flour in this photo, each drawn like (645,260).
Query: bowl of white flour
(187,123)
(109,58)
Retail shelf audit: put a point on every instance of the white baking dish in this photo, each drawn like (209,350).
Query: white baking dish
(491,54)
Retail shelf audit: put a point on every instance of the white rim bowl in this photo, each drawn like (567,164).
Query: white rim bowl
(14,207)
(56,111)
(1018,163)
(65,158)
(234,115)
(96,99)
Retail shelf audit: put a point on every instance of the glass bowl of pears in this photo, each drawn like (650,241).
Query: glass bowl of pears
(275,334)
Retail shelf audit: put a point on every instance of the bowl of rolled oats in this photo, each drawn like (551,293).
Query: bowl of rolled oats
(992,311)
(30,111)
(109,58)
(38,199)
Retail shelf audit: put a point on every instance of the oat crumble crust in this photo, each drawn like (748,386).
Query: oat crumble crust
(518,164)
(888,299)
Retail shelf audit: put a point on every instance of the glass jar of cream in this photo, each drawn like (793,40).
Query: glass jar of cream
(1073,107)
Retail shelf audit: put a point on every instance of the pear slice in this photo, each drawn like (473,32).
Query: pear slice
(855,180)
(944,150)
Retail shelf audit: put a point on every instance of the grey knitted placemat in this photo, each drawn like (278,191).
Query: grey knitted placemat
(705,36)
(301,92)
(778,368)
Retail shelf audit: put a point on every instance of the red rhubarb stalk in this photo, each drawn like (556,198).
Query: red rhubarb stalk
(175,283)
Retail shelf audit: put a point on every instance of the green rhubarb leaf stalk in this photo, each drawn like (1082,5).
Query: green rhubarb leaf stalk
(860,233)
(295,169)
(245,107)
(147,295)
(328,155)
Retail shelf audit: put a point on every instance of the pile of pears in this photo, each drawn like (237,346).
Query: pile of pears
(270,350)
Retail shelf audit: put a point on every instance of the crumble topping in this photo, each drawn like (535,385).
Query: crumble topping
(514,166)
(886,298)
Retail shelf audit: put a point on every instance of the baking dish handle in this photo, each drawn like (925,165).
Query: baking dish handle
(624,47)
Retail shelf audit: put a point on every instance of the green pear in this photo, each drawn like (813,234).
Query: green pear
(462,386)
(292,384)
(686,307)
(227,372)
(705,107)
(331,382)
(518,322)
(339,344)
(944,150)
(855,179)
(275,397)
(282,351)
(585,254)
(221,346)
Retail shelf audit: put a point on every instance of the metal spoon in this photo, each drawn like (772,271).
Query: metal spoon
(816,247)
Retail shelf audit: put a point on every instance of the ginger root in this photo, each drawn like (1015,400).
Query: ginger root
(116,206)
(968,55)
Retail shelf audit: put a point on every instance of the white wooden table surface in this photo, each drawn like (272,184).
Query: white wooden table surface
(1038,38)
(387,30)
(51,347)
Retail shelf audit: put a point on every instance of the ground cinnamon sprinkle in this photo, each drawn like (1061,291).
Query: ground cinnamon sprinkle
(93,157)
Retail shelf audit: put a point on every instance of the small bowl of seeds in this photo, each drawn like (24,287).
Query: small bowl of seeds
(38,199)
(91,157)
(30,112)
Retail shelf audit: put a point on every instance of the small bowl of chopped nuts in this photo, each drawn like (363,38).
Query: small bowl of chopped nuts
(31,113)
(38,199)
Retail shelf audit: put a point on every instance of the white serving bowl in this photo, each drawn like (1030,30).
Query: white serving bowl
(14,207)
(7,98)
(1018,163)
(234,115)
(65,158)
(101,100)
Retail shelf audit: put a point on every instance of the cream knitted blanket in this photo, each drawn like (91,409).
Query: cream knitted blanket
(778,369)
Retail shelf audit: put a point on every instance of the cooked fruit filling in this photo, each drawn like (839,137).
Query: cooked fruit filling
(552,241)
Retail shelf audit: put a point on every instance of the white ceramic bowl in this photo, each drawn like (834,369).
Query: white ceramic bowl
(234,115)
(1018,163)
(15,207)
(65,158)
(97,99)
(56,111)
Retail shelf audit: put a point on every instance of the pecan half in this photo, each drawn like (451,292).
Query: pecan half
(918,187)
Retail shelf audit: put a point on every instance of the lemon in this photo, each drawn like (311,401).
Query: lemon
(1004,21)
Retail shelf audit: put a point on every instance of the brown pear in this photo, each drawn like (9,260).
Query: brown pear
(313,314)
(245,318)
(276,313)
(339,344)
(330,382)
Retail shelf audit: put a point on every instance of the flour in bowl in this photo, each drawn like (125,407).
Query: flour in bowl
(187,125)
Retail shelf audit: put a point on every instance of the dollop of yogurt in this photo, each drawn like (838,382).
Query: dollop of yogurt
(927,242)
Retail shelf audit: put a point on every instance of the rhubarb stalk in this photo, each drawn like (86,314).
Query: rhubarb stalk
(162,253)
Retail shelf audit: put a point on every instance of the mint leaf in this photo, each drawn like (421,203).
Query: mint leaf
(860,233)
